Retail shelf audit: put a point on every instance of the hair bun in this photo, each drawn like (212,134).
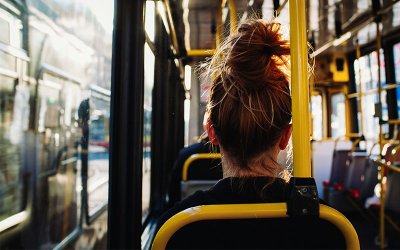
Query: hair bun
(257,51)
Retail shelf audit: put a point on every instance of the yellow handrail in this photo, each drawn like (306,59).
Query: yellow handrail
(360,90)
(395,122)
(232,16)
(389,166)
(352,135)
(196,157)
(173,34)
(394,150)
(218,35)
(300,89)
(218,39)
(248,211)
(383,165)
(201,52)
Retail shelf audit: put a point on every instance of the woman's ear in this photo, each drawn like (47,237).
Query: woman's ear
(211,133)
(286,133)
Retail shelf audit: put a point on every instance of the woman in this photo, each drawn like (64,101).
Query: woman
(250,119)
(249,116)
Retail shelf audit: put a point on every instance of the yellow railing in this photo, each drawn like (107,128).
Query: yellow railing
(218,35)
(201,52)
(196,157)
(248,211)
(300,90)
(383,165)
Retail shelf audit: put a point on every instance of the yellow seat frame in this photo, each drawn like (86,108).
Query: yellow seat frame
(248,211)
(196,157)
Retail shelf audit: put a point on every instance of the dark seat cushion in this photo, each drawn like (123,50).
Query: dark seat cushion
(283,233)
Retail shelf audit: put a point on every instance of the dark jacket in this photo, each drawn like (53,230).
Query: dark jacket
(292,233)
(232,191)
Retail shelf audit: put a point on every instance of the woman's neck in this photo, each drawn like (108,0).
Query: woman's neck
(263,165)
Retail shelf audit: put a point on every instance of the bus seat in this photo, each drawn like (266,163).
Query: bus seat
(252,226)
(368,181)
(200,172)
(301,222)
(338,171)
(355,171)
(393,191)
(340,159)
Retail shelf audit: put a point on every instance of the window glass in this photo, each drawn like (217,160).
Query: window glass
(5,31)
(54,128)
(7,61)
(150,16)
(16,35)
(369,71)
(316,109)
(149,61)
(362,5)
(58,101)
(396,54)
(99,144)
(396,18)
(338,115)
(366,76)
(14,113)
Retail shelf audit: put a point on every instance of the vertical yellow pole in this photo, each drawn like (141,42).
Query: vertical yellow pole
(347,109)
(382,172)
(360,90)
(382,209)
(218,38)
(232,16)
(300,89)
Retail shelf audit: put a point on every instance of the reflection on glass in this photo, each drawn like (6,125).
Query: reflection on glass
(57,101)
(149,61)
(41,134)
(338,115)
(316,109)
(14,109)
(99,144)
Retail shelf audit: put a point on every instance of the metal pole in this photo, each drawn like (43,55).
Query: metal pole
(360,90)
(233,16)
(382,172)
(218,37)
(300,89)
(126,138)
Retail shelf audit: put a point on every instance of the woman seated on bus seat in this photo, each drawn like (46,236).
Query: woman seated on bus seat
(249,116)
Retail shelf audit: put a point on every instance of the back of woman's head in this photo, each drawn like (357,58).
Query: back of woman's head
(250,102)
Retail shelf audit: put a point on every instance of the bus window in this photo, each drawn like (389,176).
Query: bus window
(99,144)
(368,67)
(149,61)
(396,54)
(11,29)
(316,114)
(11,137)
(14,118)
(338,115)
